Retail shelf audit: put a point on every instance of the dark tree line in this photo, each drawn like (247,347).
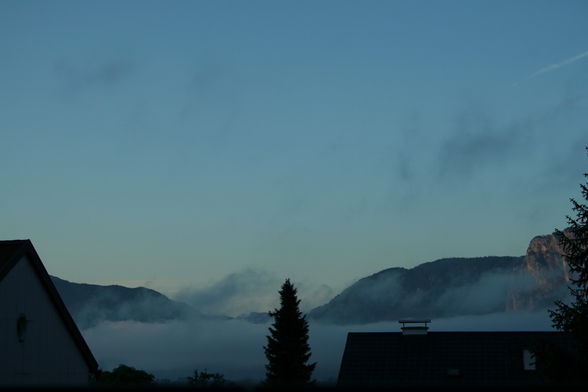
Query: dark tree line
(124,375)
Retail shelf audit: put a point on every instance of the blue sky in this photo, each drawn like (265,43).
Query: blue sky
(173,143)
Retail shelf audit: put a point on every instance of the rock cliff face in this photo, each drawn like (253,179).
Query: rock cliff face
(455,287)
(545,256)
(544,262)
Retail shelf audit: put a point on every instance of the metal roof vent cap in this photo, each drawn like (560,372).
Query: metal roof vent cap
(414,327)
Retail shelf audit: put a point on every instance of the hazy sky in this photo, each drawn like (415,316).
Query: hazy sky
(178,142)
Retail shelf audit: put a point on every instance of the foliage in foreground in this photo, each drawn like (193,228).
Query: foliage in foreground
(207,380)
(573,317)
(124,375)
(574,242)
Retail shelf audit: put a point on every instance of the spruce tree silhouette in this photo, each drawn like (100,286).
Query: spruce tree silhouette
(574,242)
(287,349)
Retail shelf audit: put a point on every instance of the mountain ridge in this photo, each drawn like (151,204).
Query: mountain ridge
(444,287)
(454,287)
(91,304)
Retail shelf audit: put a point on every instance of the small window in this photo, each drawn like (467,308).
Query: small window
(529,360)
(21,327)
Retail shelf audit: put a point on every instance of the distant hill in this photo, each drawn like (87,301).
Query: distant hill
(442,288)
(91,304)
(454,287)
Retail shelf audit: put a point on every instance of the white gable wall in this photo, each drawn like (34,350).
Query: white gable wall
(48,355)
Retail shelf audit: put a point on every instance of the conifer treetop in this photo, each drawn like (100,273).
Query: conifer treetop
(287,349)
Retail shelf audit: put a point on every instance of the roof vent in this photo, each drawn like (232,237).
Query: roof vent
(414,327)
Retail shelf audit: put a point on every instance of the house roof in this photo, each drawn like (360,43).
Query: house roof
(13,251)
(443,359)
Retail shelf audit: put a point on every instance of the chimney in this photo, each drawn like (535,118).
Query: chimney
(414,327)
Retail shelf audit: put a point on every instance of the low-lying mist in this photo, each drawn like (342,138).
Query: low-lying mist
(249,290)
(236,293)
(173,350)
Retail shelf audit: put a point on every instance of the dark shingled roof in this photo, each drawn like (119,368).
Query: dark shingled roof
(443,359)
(13,251)
(7,249)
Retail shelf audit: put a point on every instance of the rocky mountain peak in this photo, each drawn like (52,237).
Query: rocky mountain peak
(545,264)
(456,287)
(544,258)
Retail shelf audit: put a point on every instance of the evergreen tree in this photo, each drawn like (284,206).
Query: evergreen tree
(287,349)
(574,242)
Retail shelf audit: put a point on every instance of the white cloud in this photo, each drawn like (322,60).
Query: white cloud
(553,67)
(250,290)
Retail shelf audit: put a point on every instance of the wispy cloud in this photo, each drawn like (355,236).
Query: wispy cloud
(250,290)
(477,142)
(553,67)
(240,292)
(77,78)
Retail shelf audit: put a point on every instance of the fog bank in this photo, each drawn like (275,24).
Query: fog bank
(235,347)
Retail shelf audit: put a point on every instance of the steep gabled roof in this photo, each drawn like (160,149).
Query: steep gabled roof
(443,359)
(11,252)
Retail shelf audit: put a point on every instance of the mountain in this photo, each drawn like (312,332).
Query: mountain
(441,288)
(90,304)
(454,287)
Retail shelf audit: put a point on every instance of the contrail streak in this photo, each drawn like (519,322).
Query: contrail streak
(553,67)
